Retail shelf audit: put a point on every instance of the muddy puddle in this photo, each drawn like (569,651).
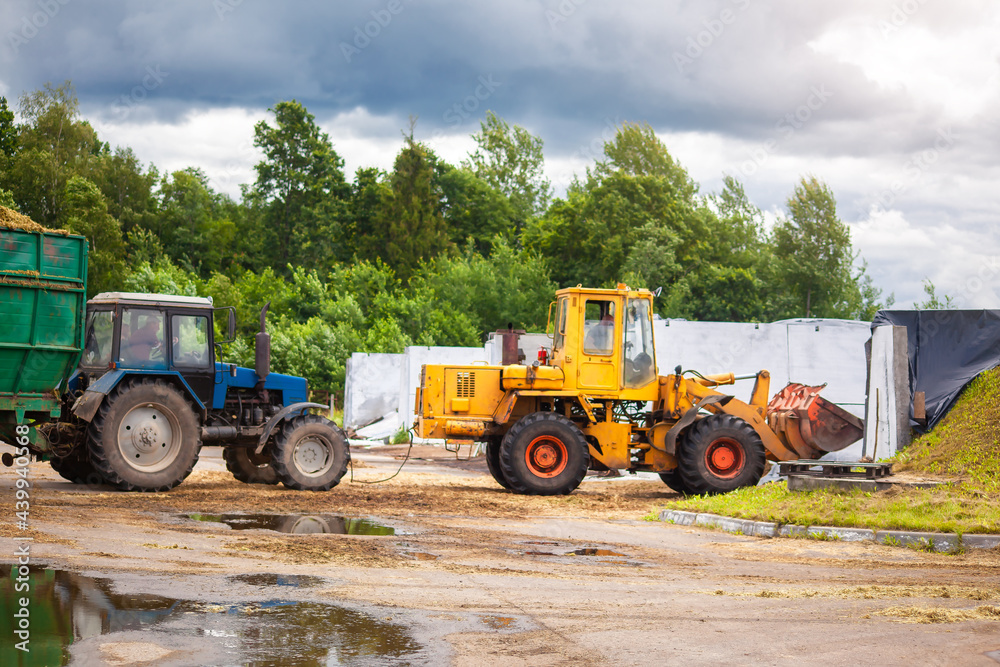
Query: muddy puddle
(269,579)
(86,620)
(297,524)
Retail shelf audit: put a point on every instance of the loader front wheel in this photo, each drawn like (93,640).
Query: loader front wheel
(544,454)
(673,480)
(310,454)
(248,467)
(493,462)
(719,454)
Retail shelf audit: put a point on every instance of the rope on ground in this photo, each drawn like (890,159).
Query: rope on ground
(379,481)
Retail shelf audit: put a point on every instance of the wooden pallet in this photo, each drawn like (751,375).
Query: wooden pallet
(835,469)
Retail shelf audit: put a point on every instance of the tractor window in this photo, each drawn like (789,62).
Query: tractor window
(142,338)
(639,368)
(190,340)
(100,334)
(598,327)
(560,331)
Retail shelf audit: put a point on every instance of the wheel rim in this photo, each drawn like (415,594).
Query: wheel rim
(546,456)
(149,437)
(313,456)
(724,458)
(310,525)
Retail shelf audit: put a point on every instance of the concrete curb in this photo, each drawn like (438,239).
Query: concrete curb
(927,541)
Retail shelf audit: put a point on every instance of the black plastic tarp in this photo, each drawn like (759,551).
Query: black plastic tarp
(947,349)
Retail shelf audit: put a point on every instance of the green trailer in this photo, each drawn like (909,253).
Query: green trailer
(43,278)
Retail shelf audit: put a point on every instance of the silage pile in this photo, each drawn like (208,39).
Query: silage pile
(13,220)
(966,443)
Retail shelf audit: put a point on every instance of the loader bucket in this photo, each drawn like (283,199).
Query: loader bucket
(809,424)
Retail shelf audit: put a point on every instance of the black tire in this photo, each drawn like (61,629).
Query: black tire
(544,454)
(493,462)
(672,479)
(248,467)
(144,437)
(310,453)
(719,454)
(76,467)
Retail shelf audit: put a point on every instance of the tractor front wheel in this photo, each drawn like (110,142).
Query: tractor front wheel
(719,454)
(310,453)
(144,437)
(544,454)
(248,467)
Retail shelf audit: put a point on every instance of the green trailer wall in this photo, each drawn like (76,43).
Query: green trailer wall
(43,278)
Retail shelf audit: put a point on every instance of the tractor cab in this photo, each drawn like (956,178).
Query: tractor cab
(603,341)
(154,334)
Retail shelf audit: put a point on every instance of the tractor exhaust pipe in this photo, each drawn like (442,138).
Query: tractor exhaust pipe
(262,347)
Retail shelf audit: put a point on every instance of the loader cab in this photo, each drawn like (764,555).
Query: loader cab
(603,340)
(154,333)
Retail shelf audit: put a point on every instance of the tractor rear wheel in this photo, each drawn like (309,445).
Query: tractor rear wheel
(144,437)
(673,479)
(310,453)
(248,467)
(544,454)
(493,462)
(76,467)
(719,454)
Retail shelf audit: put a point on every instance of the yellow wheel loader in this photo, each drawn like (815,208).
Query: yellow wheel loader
(594,401)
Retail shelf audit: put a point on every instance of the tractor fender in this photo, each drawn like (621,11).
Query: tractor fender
(279,417)
(90,401)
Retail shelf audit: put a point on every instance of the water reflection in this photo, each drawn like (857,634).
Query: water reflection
(67,608)
(308,524)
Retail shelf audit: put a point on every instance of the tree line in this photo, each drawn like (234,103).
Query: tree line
(426,253)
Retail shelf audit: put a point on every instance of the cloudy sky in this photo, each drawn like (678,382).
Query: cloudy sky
(894,103)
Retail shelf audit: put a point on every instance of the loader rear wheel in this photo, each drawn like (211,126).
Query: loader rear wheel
(144,437)
(310,453)
(673,480)
(544,454)
(248,467)
(76,467)
(493,462)
(719,454)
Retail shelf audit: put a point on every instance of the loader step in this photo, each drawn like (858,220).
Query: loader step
(834,469)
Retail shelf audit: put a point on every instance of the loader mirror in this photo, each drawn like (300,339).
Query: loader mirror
(657,292)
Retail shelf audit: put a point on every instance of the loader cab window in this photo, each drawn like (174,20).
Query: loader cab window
(599,327)
(639,368)
(559,337)
(98,338)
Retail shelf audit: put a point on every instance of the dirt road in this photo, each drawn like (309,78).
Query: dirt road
(473,575)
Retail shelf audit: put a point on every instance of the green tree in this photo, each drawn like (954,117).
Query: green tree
(933,301)
(8,131)
(53,146)
(299,190)
(472,209)
(193,222)
(87,215)
(814,257)
(510,159)
(408,224)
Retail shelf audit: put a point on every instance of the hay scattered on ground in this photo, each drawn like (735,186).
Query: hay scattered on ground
(985,612)
(13,220)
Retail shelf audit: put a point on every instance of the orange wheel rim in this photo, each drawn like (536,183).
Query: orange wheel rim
(724,458)
(546,456)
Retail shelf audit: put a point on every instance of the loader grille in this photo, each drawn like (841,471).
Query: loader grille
(466,385)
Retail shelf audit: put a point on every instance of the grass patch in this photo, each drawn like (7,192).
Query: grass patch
(951,508)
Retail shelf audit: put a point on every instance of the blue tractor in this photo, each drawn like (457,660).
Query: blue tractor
(150,390)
